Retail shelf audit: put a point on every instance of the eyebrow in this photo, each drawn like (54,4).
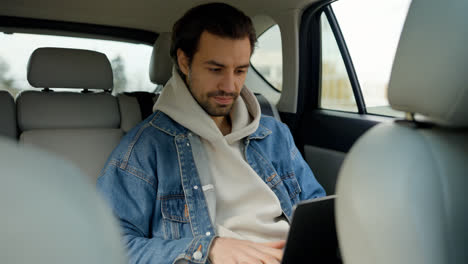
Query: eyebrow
(217,64)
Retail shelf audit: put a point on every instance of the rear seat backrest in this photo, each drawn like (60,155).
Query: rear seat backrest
(7,115)
(81,127)
(130,111)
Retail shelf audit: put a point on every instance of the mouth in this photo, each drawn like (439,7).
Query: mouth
(223,100)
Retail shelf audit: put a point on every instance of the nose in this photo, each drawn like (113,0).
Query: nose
(228,83)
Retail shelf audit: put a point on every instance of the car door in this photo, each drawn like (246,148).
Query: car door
(334,105)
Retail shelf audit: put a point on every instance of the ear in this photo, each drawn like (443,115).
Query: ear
(183,62)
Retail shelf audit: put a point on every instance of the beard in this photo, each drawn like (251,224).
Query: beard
(211,107)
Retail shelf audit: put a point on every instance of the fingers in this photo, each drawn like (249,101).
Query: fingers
(273,252)
(260,256)
(229,250)
(276,244)
(251,255)
(273,249)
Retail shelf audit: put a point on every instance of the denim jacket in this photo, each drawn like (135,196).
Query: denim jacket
(152,184)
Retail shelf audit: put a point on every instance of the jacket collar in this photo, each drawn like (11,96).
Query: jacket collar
(164,123)
(260,133)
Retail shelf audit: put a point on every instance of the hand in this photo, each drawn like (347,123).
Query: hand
(235,251)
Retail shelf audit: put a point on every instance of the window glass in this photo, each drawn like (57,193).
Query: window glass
(130,62)
(372,30)
(267,60)
(336,91)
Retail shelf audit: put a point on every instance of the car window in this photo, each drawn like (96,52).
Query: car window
(130,62)
(371,29)
(336,92)
(267,60)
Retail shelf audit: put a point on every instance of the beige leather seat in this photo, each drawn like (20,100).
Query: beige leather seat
(7,115)
(137,106)
(402,190)
(83,128)
(160,70)
(51,212)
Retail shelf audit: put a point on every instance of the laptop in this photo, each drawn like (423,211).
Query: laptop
(312,235)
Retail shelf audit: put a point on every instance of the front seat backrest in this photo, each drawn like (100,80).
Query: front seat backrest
(51,212)
(402,188)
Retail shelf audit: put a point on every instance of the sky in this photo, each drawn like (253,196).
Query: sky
(372,29)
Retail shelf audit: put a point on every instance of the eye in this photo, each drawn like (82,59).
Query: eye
(214,69)
(240,72)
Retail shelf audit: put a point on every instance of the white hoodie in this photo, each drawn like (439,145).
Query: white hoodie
(245,207)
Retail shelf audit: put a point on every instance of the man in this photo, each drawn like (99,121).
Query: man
(206,177)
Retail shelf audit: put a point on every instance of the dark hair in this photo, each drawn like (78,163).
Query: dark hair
(217,18)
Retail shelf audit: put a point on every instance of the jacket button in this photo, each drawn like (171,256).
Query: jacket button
(208,233)
(197,255)
(195,187)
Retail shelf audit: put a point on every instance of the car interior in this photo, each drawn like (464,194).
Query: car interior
(399,179)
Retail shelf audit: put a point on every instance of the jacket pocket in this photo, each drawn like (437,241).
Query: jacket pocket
(292,186)
(175,216)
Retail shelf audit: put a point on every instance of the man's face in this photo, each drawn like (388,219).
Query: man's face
(217,73)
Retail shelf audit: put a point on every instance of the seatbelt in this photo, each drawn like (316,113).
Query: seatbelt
(266,107)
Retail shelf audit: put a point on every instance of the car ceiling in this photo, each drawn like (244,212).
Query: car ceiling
(150,15)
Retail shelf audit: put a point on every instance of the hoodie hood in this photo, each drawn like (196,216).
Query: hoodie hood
(177,102)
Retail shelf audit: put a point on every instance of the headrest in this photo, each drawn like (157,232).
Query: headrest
(69,68)
(160,69)
(63,110)
(429,73)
